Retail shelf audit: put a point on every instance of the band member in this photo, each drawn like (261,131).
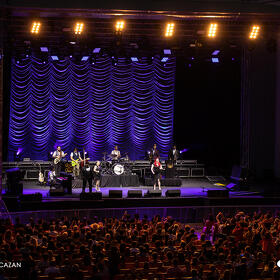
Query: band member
(154,153)
(156,170)
(76,158)
(58,155)
(173,154)
(97,175)
(51,177)
(115,154)
(87,175)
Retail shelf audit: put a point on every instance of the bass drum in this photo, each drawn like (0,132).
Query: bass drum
(118,169)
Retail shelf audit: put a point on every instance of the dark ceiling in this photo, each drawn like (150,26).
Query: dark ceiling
(144,29)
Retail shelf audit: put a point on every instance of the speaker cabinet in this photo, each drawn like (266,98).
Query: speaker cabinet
(173,193)
(91,196)
(218,193)
(154,193)
(134,193)
(115,194)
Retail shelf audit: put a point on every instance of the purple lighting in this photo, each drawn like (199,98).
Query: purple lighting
(19,151)
(96,50)
(164,59)
(184,150)
(44,49)
(167,51)
(215,59)
(75,104)
(216,52)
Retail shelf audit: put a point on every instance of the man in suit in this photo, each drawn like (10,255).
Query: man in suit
(87,175)
(173,154)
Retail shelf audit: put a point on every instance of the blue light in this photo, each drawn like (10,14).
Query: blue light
(96,50)
(167,51)
(85,58)
(134,59)
(215,59)
(54,57)
(44,49)
(164,59)
(216,52)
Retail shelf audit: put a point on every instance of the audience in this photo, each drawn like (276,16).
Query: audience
(228,248)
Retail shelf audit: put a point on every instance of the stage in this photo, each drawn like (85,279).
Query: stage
(193,192)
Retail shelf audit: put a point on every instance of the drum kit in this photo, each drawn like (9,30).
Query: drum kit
(112,166)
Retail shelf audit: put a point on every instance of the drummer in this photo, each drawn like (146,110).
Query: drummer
(115,154)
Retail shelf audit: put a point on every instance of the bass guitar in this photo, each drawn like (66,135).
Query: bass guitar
(85,160)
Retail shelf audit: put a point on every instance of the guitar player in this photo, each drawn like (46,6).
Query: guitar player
(58,155)
(76,159)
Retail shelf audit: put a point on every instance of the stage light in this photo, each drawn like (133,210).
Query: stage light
(44,49)
(72,43)
(212,30)
(215,59)
(254,32)
(164,59)
(96,50)
(54,57)
(167,51)
(216,52)
(169,30)
(79,28)
(134,59)
(35,27)
(119,25)
(85,58)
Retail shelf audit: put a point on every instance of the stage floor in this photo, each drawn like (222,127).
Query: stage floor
(193,193)
(190,188)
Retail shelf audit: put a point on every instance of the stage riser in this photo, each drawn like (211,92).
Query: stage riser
(184,169)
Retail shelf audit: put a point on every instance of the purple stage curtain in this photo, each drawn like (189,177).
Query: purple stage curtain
(93,106)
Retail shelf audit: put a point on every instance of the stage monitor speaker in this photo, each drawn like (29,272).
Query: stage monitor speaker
(173,193)
(115,194)
(31,197)
(218,193)
(91,196)
(154,193)
(134,193)
(57,192)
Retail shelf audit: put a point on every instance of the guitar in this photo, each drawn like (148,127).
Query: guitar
(59,158)
(75,162)
(41,178)
(85,160)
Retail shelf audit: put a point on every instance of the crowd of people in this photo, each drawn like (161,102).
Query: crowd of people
(236,247)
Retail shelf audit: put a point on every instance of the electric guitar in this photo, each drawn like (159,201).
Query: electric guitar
(75,162)
(85,160)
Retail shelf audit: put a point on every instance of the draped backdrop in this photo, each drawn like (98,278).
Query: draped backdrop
(95,106)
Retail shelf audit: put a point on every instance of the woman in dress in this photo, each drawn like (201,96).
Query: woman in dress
(156,170)
(97,175)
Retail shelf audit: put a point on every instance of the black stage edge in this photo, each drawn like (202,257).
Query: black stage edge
(69,203)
